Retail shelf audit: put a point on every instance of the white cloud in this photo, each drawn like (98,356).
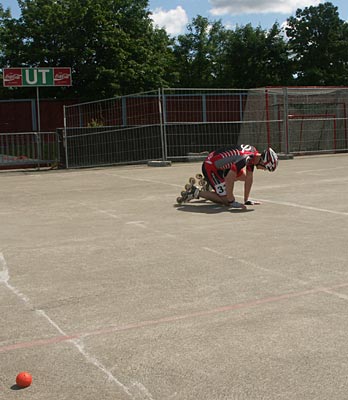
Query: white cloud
(237,7)
(173,21)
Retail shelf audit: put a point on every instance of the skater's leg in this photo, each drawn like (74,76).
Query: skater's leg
(215,198)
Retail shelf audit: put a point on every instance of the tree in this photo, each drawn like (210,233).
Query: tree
(255,57)
(318,40)
(111,45)
(197,53)
(10,45)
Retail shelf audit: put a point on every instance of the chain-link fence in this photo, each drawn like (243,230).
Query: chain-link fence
(179,124)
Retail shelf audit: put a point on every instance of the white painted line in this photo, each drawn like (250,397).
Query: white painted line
(109,214)
(99,210)
(4,274)
(5,278)
(318,170)
(285,203)
(142,225)
(292,184)
(254,265)
(340,295)
(127,177)
(251,264)
(139,223)
(78,343)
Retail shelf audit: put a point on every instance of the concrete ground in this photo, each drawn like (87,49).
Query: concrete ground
(109,291)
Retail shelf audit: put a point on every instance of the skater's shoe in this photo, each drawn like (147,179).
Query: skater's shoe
(193,193)
(190,193)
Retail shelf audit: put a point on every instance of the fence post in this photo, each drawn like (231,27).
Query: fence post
(268,126)
(38,148)
(61,149)
(286,119)
(161,100)
(65,141)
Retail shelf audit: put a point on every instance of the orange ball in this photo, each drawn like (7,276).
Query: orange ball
(24,379)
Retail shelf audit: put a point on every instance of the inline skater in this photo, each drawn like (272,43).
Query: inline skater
(223,167)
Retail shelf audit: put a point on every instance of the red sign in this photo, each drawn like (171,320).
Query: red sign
(41,76)
(12,76)
(62,77)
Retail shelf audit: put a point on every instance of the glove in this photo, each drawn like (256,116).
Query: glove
(235,204)
(251,203)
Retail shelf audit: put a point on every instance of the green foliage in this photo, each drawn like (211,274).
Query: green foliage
(114,49)
(211,56)
(197,53)
(255,58)
(94,123)
(111,45)
(318,41)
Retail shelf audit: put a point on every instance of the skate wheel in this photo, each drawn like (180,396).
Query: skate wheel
(179,200)
(199,176)
(188,186)
(192,181)
(183,193)
(202,182)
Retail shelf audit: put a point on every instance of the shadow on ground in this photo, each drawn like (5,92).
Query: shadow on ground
(207,208)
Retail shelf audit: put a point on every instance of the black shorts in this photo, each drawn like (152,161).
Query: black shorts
(215,177)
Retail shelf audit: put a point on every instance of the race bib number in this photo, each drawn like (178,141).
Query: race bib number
(220,189)
(246,147)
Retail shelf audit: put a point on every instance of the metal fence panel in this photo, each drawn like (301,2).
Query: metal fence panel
(176,124)
(198,120)
(120,130)
(93,147)
(28,149)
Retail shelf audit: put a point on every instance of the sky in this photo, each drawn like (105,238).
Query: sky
(174,15)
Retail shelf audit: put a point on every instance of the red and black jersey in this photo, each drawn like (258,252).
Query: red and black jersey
(235,157)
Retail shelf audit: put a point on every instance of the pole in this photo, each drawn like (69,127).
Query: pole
(286,119)
(39,154)
(268,126)
(161,109)
(65,140)
(38,109)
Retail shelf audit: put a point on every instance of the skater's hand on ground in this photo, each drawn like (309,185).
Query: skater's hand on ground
(235,204)
(252,203)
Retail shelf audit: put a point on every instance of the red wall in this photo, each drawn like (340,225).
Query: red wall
(17,115)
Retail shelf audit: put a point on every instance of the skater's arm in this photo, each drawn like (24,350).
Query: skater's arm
(247,188)
(248,184)
(229,181)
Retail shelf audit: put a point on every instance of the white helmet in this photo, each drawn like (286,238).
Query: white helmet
(270,159)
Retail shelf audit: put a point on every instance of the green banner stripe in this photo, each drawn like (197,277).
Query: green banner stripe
(37,77)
